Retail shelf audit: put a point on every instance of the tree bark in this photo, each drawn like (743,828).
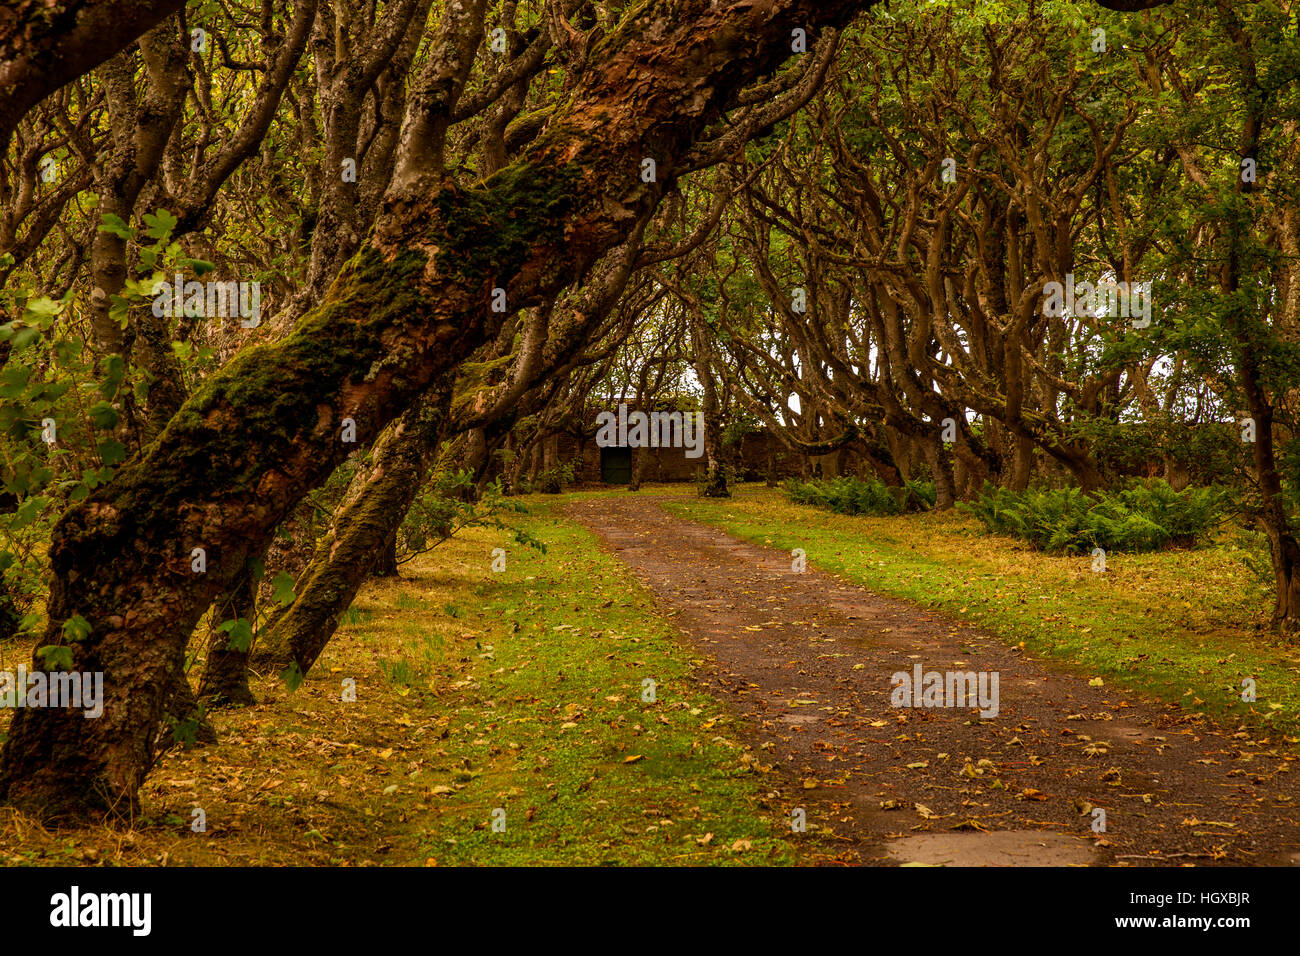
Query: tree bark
(225,673)
(375,506)
(44,45)
(182,707)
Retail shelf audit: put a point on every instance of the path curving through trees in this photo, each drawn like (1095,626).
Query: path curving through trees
(807,659)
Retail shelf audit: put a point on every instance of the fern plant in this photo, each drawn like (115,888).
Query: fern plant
(856,496)
(1145,516)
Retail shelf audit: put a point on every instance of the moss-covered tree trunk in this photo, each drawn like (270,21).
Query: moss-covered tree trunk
(375,505)
(408,308)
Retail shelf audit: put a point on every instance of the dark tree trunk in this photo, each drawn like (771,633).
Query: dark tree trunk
(639,456)
(225,675)
(551,483)
(183,718)
(941,469)
(386,559)
(715,475)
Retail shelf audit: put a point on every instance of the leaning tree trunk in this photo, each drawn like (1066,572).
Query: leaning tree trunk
(374,507)
(408,308)
(1284,548)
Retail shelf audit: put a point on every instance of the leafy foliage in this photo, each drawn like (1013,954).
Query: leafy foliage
(449,504)
(855,496)
(1146,516)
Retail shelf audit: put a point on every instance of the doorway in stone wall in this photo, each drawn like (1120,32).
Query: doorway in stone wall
(616,465)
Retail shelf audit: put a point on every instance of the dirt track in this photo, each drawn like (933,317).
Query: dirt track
(807,659)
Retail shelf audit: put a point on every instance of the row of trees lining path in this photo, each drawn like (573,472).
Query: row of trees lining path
(415,270)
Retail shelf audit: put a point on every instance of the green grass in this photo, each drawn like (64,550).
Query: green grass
(544,718)
(1181,625)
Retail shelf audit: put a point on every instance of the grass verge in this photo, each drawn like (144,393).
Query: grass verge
(476,692)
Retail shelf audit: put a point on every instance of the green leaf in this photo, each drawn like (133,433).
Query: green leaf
(113,372)
(76,628)
(292,677)
(283,584)
(241,634)
(27,512)
(111,451)
(42,310)
(55,657)
(160,226)
(116,226)
(25,336)
(103,415)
